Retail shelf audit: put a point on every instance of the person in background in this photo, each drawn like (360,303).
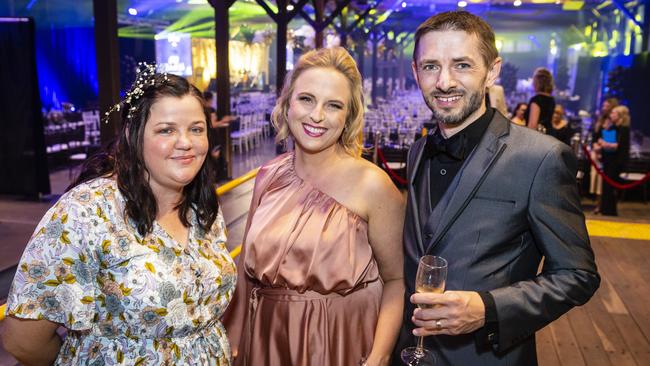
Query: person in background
(614,145)
(497,98)
(603,113)
(217,143)
(560,128)
(542,105)
(518,114)
(321,263)
(132,259)
(596,181)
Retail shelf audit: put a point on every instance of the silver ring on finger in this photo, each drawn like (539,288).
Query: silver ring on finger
(438,324)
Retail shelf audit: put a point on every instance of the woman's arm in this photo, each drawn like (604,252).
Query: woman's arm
(385,225)
(533,115)
(235,316)
(608,146)
(32,342)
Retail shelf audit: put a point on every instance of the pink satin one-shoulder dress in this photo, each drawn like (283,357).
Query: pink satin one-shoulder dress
(311,283)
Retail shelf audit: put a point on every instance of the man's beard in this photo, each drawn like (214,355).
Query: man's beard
(472,105)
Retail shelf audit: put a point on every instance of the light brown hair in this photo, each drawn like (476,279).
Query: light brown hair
(604,114)
(543,80)
(461,21)
(339,59)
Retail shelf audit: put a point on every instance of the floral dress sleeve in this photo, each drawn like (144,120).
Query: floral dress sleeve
(55,279)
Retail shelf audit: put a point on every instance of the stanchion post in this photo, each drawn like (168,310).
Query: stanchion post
(375,158)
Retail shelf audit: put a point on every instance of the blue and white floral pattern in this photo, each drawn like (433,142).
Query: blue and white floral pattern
(126,299)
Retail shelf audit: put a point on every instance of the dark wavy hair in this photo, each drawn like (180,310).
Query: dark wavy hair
(124,160)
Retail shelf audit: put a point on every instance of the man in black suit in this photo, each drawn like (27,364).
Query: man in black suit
(494,199)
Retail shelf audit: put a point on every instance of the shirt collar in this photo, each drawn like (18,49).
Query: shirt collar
(473,132)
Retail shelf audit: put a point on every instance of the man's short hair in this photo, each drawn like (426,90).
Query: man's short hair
(461,21)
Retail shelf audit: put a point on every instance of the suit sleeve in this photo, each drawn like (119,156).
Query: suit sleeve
(569,276)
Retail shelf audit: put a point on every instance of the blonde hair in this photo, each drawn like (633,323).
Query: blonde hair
(623,115)
(543,80)
(336,58)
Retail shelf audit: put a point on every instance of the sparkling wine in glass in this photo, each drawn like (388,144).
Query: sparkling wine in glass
(430,278)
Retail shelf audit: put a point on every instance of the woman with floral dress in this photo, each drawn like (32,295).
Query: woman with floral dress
(132,259)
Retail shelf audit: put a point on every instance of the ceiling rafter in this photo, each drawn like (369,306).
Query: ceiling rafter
(319,26)
(628,14)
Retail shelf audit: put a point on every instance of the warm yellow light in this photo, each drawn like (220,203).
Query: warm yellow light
(587,31)
(578,46)
(628,44)
(499,44)
(613,40)
(604,4)
(599,50)
(573,5)
(553,47)
(248,62)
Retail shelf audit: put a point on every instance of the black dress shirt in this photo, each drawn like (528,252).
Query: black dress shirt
(446,157)
(443,167)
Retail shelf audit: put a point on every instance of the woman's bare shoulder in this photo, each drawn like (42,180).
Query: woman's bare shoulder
(372,180)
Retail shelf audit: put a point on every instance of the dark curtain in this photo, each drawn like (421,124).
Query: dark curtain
(588,81)
(67,67)
(23,164)
(635,86)
(132,51)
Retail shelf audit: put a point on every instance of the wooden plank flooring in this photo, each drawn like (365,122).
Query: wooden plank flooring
(613,328)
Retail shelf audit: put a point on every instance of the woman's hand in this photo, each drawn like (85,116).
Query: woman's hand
(375,361)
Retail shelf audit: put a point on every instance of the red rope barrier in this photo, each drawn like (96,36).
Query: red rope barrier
(609,180)
(390,171)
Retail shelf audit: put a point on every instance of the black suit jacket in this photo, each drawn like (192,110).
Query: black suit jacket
(514,202)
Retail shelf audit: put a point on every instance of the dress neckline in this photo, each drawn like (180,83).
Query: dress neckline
(292,171)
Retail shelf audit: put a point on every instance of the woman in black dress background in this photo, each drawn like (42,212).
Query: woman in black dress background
(560,128)
(541,106)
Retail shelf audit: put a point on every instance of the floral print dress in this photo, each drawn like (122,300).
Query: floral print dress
(125,299)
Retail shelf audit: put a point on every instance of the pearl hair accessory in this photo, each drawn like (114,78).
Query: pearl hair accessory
(145,75)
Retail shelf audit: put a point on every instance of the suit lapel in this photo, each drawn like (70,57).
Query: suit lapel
(468,179)
(413,196)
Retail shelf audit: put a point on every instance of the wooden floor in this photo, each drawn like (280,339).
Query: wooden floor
(613,328)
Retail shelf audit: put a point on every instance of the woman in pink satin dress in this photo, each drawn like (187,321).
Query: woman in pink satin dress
(320,273)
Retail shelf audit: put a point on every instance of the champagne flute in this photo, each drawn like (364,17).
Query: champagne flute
(431,278)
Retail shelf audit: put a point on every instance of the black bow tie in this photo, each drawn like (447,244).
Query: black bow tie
(453,147)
